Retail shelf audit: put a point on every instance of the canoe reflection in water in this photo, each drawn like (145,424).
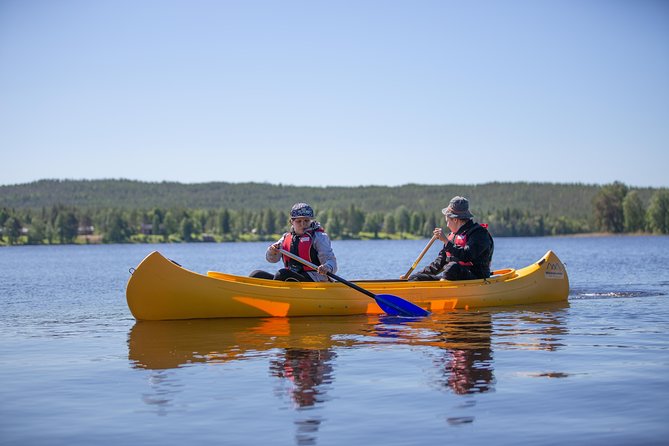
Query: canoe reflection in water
(170,344)
(302,351)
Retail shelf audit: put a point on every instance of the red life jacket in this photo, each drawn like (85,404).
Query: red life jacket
(461,240)
(304,250)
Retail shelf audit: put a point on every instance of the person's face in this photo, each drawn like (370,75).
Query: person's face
(300,224)
(452,223)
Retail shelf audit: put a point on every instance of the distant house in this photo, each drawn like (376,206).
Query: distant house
(147,228)
(85,230)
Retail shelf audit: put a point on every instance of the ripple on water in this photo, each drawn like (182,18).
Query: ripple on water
(611,294)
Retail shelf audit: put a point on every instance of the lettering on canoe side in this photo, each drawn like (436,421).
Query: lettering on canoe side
(554,271)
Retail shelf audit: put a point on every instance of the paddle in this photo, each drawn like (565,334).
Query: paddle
(392,305)
(420,257)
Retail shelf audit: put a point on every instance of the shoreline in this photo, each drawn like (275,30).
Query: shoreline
(97,239)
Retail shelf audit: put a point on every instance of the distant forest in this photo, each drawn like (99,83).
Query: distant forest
(120,211)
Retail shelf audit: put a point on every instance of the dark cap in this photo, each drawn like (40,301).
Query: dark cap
(458,208)
(301,210)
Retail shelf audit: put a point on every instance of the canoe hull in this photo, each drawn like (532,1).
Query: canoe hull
(161,290)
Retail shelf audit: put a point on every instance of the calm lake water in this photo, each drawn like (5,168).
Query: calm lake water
(76,369)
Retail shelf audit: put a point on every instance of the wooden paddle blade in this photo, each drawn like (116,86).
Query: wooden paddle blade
(396,306)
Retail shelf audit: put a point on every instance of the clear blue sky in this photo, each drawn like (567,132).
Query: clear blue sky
(335,92)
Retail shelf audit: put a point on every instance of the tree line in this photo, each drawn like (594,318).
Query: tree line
(571,200)
(615,209)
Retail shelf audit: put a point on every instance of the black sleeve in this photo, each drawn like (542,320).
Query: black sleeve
(438,264)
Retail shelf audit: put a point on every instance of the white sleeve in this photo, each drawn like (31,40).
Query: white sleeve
(324,249)
(273,258)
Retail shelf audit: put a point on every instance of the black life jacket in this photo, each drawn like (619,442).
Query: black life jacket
(460,239)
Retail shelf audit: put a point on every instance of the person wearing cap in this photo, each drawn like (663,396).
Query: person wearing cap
(468,248)
(306,239)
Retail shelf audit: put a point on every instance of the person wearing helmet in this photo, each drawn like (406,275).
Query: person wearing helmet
(306,239)
(468,248)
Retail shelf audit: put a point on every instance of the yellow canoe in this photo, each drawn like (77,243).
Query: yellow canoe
(161,290)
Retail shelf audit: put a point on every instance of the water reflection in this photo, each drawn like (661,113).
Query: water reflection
(467,362)
(301,353)
(172,344)
(540,328)
(162,390)
(307,372)
(462,353)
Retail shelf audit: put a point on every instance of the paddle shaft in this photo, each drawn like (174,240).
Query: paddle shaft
(420,257)
(333,275)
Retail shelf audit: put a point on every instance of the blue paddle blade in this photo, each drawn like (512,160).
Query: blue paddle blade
(396,306)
